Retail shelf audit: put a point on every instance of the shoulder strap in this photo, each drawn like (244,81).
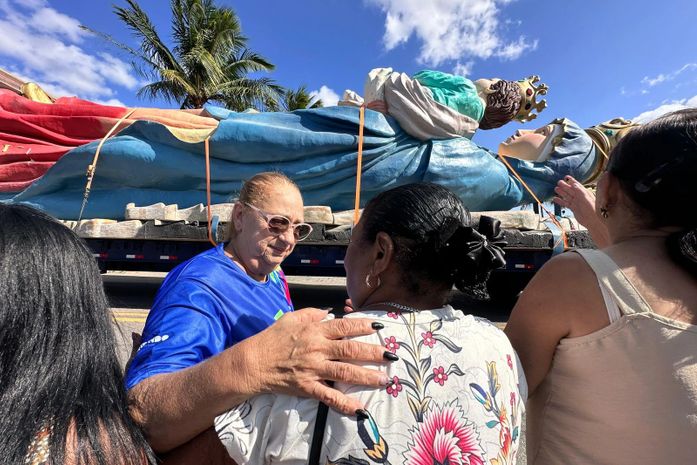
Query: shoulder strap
(318,434)
(615,281)
(320,425)
(613,311)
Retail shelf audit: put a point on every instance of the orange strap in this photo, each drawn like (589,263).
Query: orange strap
(359,167)
(551,215)
(211,239)
(91,169)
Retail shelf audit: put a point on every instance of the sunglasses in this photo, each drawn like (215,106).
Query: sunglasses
(279,224)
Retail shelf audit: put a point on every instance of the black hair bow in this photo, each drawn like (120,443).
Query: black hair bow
(485,245)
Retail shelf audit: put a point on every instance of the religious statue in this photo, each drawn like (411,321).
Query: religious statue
(437,105)
(160,157)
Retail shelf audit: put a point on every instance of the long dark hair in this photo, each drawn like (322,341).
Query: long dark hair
(435,243)
(656,165)
(59,371)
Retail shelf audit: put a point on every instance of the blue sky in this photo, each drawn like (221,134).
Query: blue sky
(600,59)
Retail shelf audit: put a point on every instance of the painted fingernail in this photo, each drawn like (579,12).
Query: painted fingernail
(362,414)
(377,325)
(385,380)
(387,355)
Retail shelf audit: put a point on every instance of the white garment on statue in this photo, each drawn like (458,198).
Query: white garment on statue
(457,393)
(412,105)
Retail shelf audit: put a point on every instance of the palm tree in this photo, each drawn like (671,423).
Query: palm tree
(210,60)
(298,100)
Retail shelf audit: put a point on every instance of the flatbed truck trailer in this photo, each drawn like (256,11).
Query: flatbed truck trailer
(159,244)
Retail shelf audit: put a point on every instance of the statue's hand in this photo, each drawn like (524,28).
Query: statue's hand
(378,105)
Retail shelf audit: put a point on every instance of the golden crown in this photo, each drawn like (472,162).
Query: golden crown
(605,137)
(528,96)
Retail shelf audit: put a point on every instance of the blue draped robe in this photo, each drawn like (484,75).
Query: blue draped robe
(317,148)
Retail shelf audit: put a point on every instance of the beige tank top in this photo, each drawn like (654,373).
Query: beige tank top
(626,394)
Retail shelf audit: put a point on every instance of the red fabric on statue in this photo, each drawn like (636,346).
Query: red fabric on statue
(35,135)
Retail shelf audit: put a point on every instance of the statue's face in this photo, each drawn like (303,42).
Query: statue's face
(532,145)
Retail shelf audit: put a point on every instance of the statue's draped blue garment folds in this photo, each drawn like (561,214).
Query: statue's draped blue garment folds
(317,148)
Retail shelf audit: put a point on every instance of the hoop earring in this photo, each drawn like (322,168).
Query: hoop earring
(604,212)
(367,281)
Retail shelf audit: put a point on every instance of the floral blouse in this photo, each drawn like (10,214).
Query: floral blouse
(456,396)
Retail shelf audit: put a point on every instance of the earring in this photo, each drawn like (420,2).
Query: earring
(367,281)
(604,212)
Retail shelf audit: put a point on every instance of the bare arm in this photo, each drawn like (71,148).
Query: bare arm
(295,355)
(540,318)
(573,195)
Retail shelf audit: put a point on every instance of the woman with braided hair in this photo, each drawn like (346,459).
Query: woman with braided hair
(455,392)
(607,337)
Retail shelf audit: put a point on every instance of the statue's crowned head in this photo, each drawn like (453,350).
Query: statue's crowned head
(509,100)
(605,137)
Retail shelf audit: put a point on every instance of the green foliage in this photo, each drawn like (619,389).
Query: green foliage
(210,60)
(299,99)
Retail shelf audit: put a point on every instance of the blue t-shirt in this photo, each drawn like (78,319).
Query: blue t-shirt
(204,306)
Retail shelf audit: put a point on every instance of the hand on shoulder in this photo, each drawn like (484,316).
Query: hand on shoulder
(301,351)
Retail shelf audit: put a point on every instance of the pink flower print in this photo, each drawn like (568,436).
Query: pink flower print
(391,344)
(510,361)
(512,399)
(445,436)
(394,314)
(429,340)
(439,375)
(394,387)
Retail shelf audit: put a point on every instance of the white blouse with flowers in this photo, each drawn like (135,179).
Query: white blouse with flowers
(456,395)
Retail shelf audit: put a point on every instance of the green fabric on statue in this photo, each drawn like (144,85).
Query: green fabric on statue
(456,92)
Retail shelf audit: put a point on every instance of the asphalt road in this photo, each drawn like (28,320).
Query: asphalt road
(131,294)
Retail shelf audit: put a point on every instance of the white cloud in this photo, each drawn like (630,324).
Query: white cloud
(651,115)
(112,102)
(463,69)
(328,96)
(53,22)
(34,4)
(653,81)
(661,78)
(44,45)
(451,29)
(514,50)
(118,71)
